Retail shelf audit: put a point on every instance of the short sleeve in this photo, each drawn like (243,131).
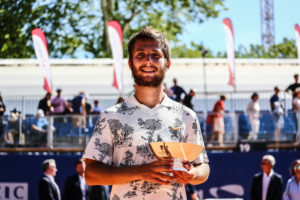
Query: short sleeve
(99,147)
(194,135)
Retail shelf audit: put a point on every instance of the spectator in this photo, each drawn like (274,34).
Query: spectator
(187,101)
(69,107)
(96,109)
(2,111)
(292,87)
(79,109)
(45,104)
(296,106)
(253,110)
(277,113)
(178,91)
(58,103)
(39,128)
(120,100)
(216,121)
(75,185)
(168,91)
(13,128)
(266,185)
(47,188)
(292,189)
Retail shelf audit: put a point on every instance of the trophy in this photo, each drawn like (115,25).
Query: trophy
(180,151)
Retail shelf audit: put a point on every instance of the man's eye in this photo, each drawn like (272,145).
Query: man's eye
(140,55)
(156,55)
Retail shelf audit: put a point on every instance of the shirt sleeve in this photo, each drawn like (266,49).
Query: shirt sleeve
(194,135)
(100,147)
(286,192)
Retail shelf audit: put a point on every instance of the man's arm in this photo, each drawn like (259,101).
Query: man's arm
(97,173)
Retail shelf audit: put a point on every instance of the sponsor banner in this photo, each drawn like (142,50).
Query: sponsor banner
(13,191)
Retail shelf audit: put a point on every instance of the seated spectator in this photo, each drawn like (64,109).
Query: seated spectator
(96,109)
(13,129)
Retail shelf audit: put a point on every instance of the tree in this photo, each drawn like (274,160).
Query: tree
(73,26)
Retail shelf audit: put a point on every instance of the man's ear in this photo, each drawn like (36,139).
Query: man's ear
(129,64)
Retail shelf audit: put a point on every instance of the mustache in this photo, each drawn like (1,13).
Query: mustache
(151,66)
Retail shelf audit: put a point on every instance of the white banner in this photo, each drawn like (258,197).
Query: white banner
(297,30)
(13,191)
(116,44)
(41,52)
(230,50)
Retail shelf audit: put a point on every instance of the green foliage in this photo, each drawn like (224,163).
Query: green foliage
(73,26)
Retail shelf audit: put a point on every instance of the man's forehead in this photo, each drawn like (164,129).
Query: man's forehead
(146,44)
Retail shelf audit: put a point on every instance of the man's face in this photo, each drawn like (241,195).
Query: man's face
(52,170)
(266,166)
(79,169)
(148,63)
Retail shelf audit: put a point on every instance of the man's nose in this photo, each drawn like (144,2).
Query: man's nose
(148,60)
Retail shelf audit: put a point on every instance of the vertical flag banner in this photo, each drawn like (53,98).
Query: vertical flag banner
(41,52)
(230,50)
(297,29)
(116,44)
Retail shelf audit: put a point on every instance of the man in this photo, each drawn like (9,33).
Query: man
(177,90)
(75,186)
(268,184)
(292,87)
(118,153)
(277,114)
(58,103)
(48,189)
(45,104)
(187,101)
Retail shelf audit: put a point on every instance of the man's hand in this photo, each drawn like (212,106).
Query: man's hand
(183,177)
(156,172)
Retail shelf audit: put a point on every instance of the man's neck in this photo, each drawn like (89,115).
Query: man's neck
(149,96)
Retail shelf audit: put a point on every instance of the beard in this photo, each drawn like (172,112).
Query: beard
(153,81)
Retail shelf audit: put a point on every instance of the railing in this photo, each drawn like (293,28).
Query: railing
(72,132)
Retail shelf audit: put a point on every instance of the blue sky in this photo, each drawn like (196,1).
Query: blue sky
(245,17)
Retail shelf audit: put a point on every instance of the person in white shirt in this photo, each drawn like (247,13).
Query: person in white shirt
(292,190)
(266,185)
(119,153)
(253,110)
(47,188)
(296,109)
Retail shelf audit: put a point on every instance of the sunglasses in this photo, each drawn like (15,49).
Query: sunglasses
(265,163)
(296,167)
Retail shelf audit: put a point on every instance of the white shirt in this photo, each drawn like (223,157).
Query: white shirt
(122,136)
(83,187)
(54,183)
(266,183)
(296,103)
(253,110)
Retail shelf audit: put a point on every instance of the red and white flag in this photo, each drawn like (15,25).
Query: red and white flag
(230,50)
(116,44)
(297,29)
(41,52)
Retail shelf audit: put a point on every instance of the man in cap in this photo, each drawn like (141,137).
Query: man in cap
(48,189)
(266,185)
(58,103)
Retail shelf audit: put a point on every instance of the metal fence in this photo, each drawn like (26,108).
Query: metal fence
(67,131)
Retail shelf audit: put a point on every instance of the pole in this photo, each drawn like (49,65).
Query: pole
(204,52)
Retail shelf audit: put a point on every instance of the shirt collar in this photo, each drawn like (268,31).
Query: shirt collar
(167,102)
(270,174)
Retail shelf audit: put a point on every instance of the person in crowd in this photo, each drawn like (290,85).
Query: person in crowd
(216,121)
(190,192)
(45,104)
(168,91)
(69,107)
(292,189)
(96,108)
(13,129)
(58,103)
(2,111)
(292,87)
(39,128)
(75,186)
(277,113)
(118,153)
(187,101)
(48,188)
(253,110)
(120,100)
(296,106)
(177,91)
(79,110)
(88,106)
(266,185)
